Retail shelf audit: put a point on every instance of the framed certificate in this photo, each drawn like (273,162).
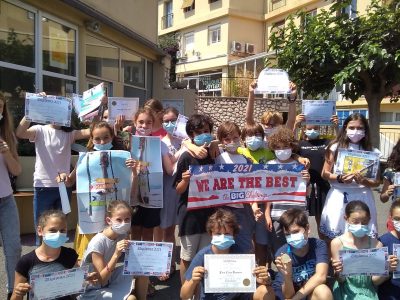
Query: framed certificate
(122,106)
(148,258)
(58,284)
(318,112)
(180,127)
(229,273)
(91,99)
(365,262)
(54,110)
(273,81)
(352,161)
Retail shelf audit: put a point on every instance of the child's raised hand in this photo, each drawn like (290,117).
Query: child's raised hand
(93,278)
(304,161)
(198,274)
(262,275)
(300,118)
(186,176)
(119,122)
(3,147)
(390,190)
(252,86)
(131,163)
(337,265)
(21,289)
(358,177)
(256,211)
(348,178)
(335,120)
(285,268)
(214,149)
(305,175)
(200,152)
(393,261)
(121,247)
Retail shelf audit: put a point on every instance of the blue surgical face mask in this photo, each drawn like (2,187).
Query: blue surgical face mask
(254,142)
(222,241)
(100,147)
(358,230)
(169,126)
(296,240)
(55,239)
(312,134)
(201,139)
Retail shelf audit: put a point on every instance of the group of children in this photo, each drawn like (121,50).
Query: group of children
(278,233)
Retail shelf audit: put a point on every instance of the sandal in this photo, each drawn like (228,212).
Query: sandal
(168,276)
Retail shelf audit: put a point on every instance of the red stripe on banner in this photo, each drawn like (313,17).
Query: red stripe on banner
(198,199)
(291,193)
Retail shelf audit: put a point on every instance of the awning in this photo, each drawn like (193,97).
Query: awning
(187,3)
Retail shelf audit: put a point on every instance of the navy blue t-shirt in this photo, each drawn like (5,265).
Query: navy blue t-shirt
(198,260)
(303,268)
(390,289)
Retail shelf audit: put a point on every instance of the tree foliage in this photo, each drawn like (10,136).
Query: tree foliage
(332,49)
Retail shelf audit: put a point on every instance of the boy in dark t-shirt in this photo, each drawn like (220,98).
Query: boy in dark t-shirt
(192,224)
(302,262)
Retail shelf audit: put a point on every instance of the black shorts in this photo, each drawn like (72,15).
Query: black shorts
(146,217)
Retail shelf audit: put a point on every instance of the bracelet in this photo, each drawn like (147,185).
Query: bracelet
(339,179)
(291,100)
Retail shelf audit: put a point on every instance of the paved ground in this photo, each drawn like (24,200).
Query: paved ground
(170,290)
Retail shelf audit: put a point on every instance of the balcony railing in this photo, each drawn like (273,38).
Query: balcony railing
(167,21)
(275,4)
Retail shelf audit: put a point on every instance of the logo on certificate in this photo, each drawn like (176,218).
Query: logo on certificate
(246,282)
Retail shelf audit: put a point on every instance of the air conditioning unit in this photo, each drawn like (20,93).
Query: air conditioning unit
(249,48)
(178,54)
(236,47)
(181,55)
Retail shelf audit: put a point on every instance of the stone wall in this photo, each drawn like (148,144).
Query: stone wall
(234,108)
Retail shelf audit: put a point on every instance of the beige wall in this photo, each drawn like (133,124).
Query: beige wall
(138,15)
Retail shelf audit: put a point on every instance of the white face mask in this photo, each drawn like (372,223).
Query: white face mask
(121,228)
(396,225)
(143,131)
(355,135)
(232,147)
(283,154)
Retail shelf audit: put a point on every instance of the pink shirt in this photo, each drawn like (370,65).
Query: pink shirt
(5,184)
(53,154)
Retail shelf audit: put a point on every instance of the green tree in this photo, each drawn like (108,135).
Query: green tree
(332,49)
(169,43)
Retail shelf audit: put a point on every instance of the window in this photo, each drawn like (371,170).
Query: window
(351,10)
(188,5)
(397,117)
(212,1)
(214,34)
(167,19)
(308,16)
(343,114)
(277,26)
(134,69)
(390,117)
(188,42)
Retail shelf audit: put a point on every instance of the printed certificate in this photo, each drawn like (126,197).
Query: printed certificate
(122,106)
(273,81)
(91,99)
(148,258)
(352,161)
(365,262)
(48,109)
(180,127)
(58,284)
(229,273)
(318,112)
(396,251)
(396,182)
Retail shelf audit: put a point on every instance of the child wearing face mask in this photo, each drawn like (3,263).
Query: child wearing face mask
(390,289)
(101,138)
(302,262)
(223,227)
(283,143)
(354,135)
(105,252)
(50,256)
(313,147)
(228,135)
(192,224)
(357,217)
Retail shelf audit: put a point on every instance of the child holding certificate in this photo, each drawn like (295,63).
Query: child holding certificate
(9,219)
(223,227)
(354,135)
(53,156)
(192,224)
(357,217)
(302,262)
(105,251)
(283,143)
(50,256)
(101,138)
(390,289)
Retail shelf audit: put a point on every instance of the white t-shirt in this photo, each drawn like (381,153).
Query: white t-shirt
(53,154)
